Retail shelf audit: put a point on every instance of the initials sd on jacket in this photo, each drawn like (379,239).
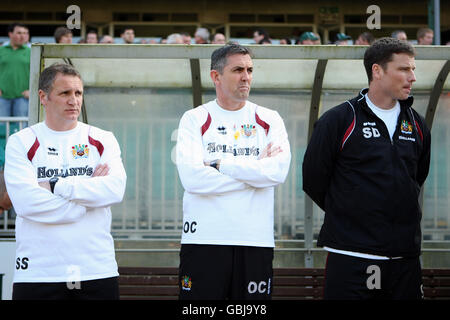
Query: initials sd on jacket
(367,184)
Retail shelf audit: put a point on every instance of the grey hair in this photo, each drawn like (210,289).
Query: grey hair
(174,37)
(220,55)
(203,33)
(49,74)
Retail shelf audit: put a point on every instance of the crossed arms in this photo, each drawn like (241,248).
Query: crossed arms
(72,197)
(235,173)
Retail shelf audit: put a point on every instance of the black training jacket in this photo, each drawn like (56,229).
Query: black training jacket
(367,184)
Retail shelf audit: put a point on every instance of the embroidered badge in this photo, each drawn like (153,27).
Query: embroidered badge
(186,283)
(248,130)
(80,151)
(406,127)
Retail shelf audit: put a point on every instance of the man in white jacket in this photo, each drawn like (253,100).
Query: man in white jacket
(231,153)
(62,177)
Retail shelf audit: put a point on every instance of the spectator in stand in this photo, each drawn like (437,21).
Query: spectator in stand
(307,38)
(219,38)
(399,35)
(106,39)
(201,36)
(365,39)
(174,38)
(318,41)
(259,35)
(91,37)
(15,73)
(265,41)
(63,35)
(425,36)
(26,38)
(127,35)
(186,37)
(342,39)
(285,41)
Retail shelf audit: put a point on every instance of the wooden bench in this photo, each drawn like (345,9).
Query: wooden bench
(153,283)
(436,283)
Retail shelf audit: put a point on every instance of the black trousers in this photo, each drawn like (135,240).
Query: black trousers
(354,278)
(220,272)
(101,289)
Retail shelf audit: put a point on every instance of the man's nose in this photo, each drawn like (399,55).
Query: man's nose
(72,99)
(246,75)
(412,77)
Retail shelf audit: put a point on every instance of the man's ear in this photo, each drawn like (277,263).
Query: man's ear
(42,97)
(214,76)
(377,71)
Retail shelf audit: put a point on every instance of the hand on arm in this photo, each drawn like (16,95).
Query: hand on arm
(270,151)
(272,165)
(30,200)
(100,171)
(196,175)
(106,185)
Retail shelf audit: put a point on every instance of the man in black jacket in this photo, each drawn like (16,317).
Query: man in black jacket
(364,166)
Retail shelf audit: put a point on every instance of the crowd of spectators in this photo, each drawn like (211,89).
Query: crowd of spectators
(424,36)
(18,47)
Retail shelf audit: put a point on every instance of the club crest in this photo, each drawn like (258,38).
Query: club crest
(80,151)
(248,130)
(186,283)
(406,127)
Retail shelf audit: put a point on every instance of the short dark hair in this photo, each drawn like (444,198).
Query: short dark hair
(126,28)
(381,51)
(395,33)
(262,32)
(367,36)
(12,26)
(220,55)
(60,32)
(48,75)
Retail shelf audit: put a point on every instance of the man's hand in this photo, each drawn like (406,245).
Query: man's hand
(101,170)
(208,163)
(270,151)
(45,185)
(5,202)
(26,94)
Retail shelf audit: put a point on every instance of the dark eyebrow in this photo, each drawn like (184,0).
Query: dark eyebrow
(240,68)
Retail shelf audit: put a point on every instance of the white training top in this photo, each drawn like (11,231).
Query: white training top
(63,236)
(236,205)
